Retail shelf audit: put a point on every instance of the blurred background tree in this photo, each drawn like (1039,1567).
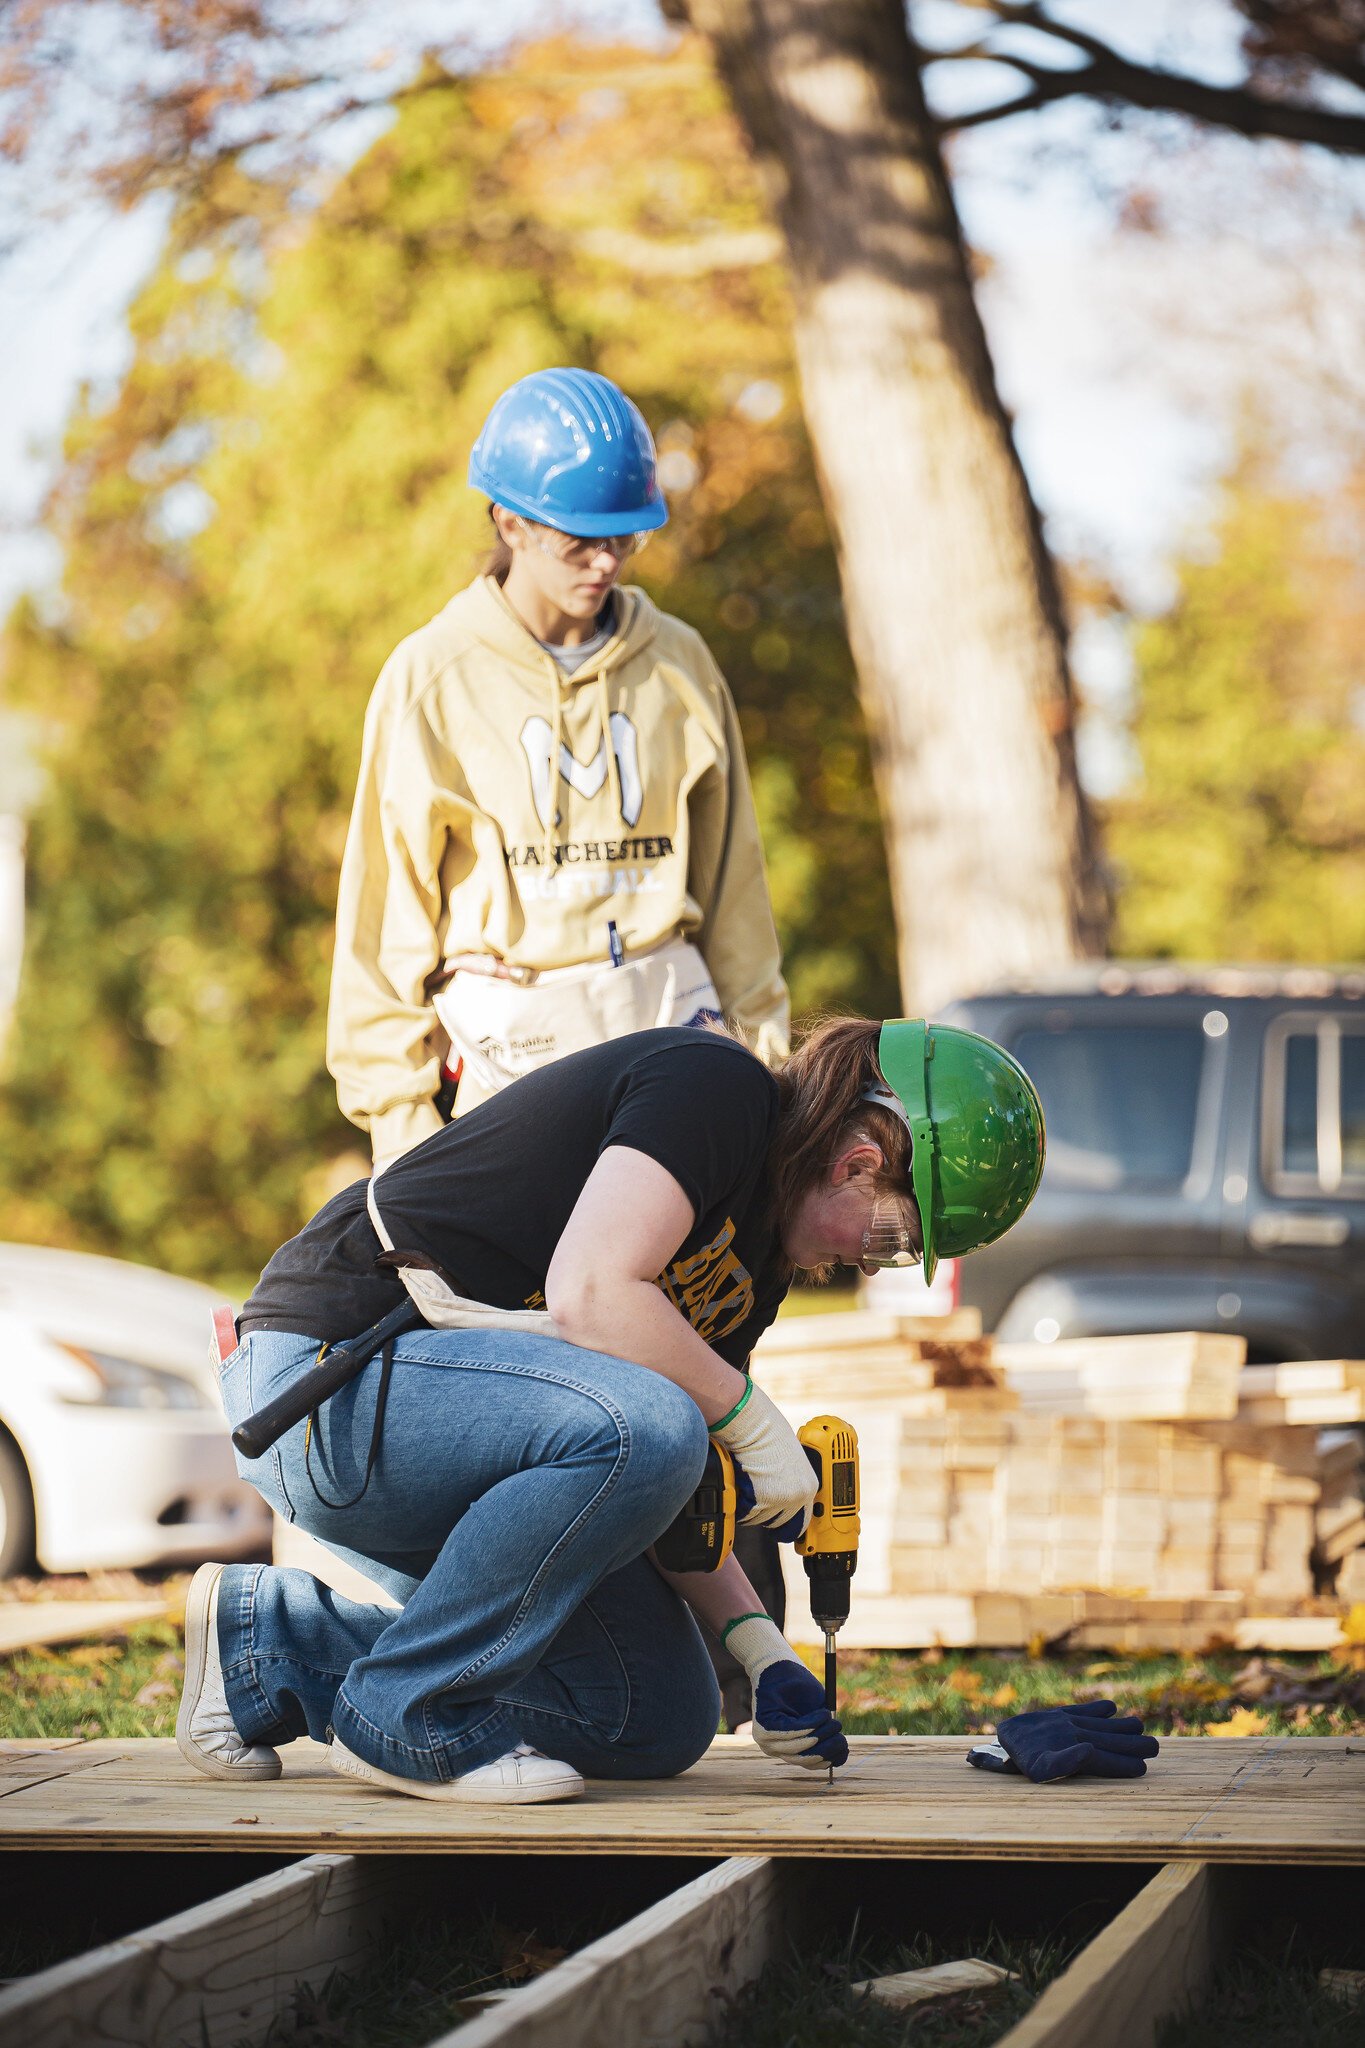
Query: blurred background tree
(1245,838)
(276,496)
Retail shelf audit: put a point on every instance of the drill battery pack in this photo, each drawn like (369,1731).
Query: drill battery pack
(701,1536)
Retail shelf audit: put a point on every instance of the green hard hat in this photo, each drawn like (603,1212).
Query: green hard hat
(977,1127)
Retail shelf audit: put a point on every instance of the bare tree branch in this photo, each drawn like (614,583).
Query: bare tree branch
(1117,81)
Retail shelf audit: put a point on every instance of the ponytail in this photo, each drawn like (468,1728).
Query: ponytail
(823,1112)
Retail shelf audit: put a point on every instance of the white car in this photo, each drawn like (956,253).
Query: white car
(113,1447)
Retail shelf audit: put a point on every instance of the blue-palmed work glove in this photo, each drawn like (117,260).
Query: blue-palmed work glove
(791,1721)
(746,1501)
(758,1434)
(1087,1739)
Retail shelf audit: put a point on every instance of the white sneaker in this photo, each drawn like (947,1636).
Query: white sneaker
(521,1778)
(205,1732)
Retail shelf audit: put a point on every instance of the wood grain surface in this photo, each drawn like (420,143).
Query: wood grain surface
(1299,1799)
(213,1975)
(666,1977)
(1150,1962)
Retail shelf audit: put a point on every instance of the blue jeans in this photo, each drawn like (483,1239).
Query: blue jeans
(518,1483)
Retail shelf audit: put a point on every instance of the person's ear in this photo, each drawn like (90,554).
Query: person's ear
(858,1160)
(509,527)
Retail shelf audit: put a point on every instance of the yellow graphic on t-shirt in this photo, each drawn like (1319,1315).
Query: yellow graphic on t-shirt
(712,1289)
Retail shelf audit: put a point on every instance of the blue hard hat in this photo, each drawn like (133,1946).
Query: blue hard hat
(568,448)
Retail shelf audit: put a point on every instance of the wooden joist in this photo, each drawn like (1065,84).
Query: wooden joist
(1147,1964)
(662,1979)
(214,1975)
(1220,1800)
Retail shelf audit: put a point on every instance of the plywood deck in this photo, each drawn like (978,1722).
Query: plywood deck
(1294,1800)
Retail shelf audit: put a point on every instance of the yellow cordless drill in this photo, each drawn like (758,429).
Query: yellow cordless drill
(829,1548)
(701,1537)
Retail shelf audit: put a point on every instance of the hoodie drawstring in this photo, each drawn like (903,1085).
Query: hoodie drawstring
(556,742)
(613,765)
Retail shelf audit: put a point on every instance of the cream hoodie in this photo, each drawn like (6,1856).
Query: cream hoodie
(464,839)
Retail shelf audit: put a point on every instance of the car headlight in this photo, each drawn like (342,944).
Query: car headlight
(127,1383)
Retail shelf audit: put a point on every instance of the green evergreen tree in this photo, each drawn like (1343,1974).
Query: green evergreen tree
(276,496)
(1246,838)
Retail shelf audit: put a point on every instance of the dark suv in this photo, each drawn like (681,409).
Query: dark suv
(1205,1157)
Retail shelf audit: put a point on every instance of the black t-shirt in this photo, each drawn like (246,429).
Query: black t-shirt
(488,1197)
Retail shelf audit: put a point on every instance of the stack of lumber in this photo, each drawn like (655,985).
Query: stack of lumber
(1008,1489)
(1128,1379)
(1339,1520)
(1319,1391)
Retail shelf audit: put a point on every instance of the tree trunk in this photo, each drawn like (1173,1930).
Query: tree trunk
(952,606)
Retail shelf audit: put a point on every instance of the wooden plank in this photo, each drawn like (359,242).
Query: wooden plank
(1298,1799)
(1301,1632)
(861,1330)
(662,1979)
(212,1975)
(29,1624)
(1149,1962)
(1175,1375)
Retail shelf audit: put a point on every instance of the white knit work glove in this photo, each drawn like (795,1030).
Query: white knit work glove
(758,1434)
(791,1721)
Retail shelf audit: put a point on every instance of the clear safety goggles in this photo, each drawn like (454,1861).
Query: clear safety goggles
(574,547)
(893,1236)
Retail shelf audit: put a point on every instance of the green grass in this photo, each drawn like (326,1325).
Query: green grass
(92,1689)
(807,2000)
(132,1687)
(1268,2001)
(417,1988)
(967,1692)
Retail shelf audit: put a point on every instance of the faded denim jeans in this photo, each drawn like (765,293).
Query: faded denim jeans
(518,1483)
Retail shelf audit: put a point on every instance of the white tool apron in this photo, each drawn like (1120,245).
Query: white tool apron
(443,1308)
(502,1029)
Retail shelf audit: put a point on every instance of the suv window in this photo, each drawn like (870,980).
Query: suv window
(1313,1107)
(1120,1100)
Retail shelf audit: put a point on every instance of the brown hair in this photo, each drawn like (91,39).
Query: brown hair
(498,558)
(823,1113)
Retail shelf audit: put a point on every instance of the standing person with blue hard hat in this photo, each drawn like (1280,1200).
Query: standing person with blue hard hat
(553,841)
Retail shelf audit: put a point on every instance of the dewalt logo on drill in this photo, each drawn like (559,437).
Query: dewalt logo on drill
(711,1288)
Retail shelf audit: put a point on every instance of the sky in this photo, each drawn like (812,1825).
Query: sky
(1122,355)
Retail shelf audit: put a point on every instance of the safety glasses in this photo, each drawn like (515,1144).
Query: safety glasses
(574,547)
(893,1236)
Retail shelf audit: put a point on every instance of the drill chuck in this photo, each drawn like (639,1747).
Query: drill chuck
(830,1573)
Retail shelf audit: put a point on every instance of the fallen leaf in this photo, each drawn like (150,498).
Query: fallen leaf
(156,1689)
(968,1683)
(1004,1696)
(246,1820)
(1037,1645)
(1242,1721)
(94,1653)
(1101,1670)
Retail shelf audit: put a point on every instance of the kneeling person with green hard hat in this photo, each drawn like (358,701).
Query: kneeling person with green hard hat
(588,1259)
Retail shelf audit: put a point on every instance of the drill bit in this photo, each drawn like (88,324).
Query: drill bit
(831,1683)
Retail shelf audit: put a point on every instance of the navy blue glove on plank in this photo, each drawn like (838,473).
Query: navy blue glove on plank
(1087,1739)
(791,1720)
